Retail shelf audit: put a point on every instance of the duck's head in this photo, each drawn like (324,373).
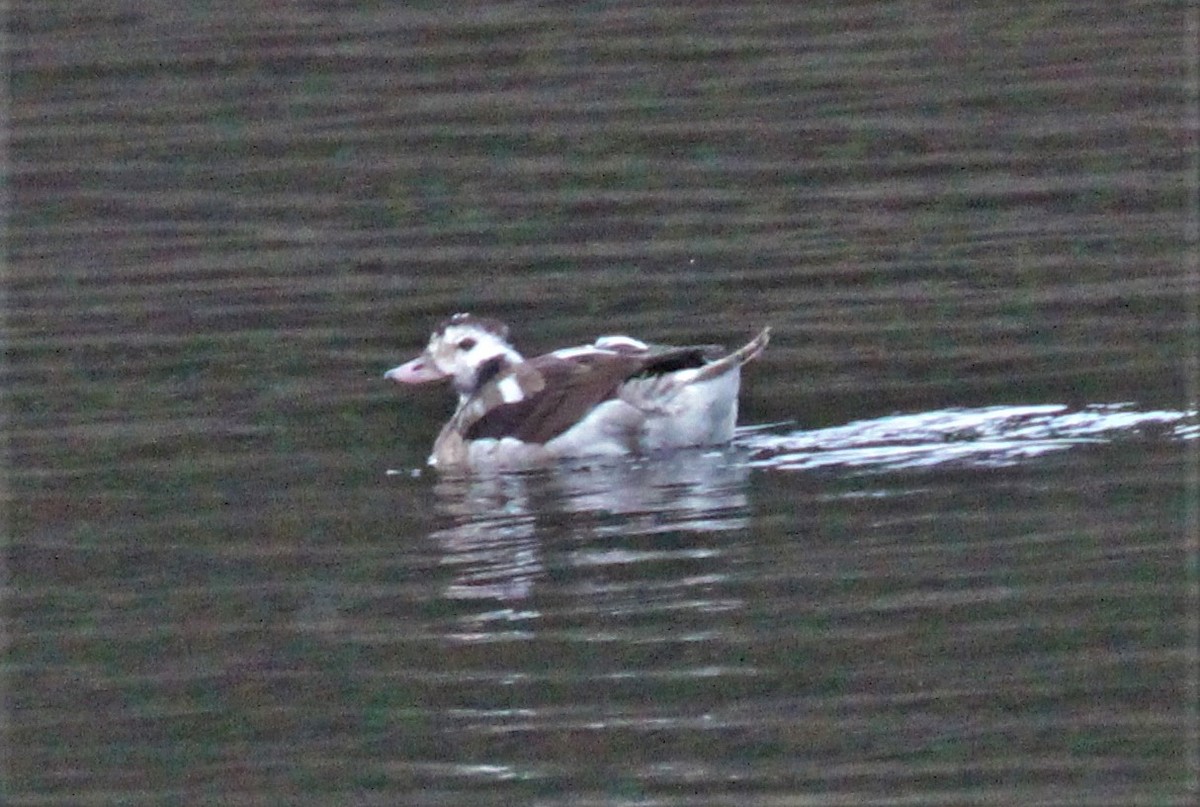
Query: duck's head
(468,349)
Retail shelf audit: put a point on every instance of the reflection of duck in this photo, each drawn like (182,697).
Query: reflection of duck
(502,531)
(702,490)
(616,397)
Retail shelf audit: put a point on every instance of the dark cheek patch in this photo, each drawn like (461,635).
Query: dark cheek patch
(488,370)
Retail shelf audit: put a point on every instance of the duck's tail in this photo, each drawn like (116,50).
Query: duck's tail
(747,352)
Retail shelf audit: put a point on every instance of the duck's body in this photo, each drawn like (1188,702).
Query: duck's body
(616,397)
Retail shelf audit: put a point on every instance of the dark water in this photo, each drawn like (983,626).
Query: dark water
(951,558)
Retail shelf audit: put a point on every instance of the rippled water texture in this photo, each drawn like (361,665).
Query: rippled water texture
(950,558)
(990,437)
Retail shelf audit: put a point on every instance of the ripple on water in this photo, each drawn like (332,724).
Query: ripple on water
(984,437)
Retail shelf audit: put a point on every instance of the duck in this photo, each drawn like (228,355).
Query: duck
(615,397)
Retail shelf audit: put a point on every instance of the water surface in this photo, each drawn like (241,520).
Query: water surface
(950,558)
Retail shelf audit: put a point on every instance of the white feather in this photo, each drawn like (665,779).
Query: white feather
(510,389)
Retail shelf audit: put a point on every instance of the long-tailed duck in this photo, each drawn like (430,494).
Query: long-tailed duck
(617,396)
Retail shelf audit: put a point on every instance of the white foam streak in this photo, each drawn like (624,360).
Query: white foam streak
(990,436)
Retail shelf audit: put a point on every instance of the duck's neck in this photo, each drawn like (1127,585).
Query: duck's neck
(468,386)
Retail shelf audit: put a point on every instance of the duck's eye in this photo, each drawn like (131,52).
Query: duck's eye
(466,344)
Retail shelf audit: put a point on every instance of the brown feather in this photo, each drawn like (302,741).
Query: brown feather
(572,389)
(560,392)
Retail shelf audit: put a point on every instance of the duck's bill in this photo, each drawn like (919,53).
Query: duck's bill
(417,371)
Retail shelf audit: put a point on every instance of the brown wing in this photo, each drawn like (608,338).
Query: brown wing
(663,360)
(572,389)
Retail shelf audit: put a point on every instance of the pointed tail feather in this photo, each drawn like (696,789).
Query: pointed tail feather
(748,352)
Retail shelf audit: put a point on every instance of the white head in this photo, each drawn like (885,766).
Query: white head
(465,348)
